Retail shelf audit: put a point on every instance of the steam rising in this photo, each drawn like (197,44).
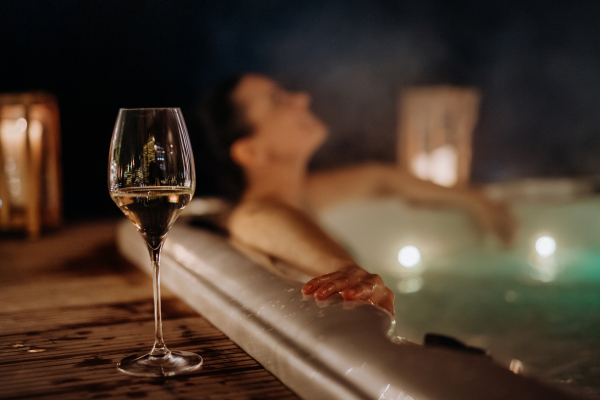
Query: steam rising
(537,68)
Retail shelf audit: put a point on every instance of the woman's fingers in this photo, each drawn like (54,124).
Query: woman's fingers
(365,288)
(332,287)
(507,225)
(372,290)
(315,283)
(498,219)
(354,283)
(503,224)
(387,301)
(339,280)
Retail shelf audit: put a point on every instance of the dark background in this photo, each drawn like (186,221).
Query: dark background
(537,64)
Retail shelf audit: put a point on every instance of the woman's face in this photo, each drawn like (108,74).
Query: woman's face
(282,124)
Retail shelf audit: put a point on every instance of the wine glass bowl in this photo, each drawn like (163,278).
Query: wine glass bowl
(151,178)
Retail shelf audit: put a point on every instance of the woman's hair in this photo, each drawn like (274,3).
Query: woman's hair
(224,123)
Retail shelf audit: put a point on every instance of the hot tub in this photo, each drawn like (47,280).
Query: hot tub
(461,287)
(536,305)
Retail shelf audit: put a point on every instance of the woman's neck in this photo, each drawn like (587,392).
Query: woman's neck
(283,181)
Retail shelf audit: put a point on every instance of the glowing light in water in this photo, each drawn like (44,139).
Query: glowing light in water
(545,246)
(410,284)
(409,256)
(543,259)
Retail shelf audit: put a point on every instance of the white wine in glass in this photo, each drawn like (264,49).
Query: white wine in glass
(151,177)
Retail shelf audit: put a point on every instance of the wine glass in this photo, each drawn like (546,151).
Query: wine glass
(151,178)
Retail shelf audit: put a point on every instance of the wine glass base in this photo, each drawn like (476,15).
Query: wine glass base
(177,362)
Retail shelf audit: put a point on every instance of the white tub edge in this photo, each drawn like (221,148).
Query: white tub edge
(327,350)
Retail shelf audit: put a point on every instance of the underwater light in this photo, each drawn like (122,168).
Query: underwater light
(545,246)
(409,256)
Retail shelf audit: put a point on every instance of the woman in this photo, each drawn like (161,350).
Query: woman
(264,137)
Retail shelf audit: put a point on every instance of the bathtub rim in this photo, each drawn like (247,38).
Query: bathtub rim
(191,266)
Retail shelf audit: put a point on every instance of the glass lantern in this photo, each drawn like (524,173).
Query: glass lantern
(30,175)
(435,133)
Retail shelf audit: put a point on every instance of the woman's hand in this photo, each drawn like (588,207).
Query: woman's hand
(354,283)
(495,218)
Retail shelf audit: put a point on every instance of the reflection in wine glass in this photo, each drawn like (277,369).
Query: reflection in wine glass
(151,178)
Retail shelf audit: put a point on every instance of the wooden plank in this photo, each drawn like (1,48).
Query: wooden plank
(66,321)
(61,360)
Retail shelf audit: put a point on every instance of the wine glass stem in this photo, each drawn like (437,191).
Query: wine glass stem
(159,349)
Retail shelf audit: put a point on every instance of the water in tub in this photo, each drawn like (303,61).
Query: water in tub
(536,304)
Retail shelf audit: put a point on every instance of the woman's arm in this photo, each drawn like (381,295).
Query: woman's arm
(288,234)
(373,180)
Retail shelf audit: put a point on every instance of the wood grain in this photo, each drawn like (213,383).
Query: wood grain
(70,308)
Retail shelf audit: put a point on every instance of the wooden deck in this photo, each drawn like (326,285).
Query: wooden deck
(71,307)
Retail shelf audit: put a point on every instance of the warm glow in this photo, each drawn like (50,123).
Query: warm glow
(443,166)
(545,246)
(21,125)
(440,166)
(516,366)
(35,131)
(14,147)
(30,168)
(205,206)
(420,166)
(409,256)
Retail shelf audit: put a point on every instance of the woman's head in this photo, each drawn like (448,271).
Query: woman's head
(252,121)
(283,127)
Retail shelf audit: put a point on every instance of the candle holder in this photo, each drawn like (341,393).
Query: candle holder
(30,175)
(435,133)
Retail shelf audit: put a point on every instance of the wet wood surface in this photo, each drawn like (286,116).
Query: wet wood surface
(71,307)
